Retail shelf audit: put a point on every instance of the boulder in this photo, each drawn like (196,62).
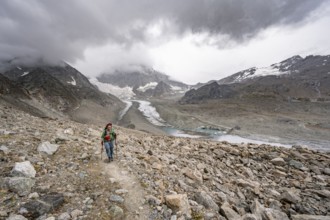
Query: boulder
(178,202)
(228,212)
(296,164)
(267,213)
(38,207)
(20,185)
(24,169)
(206,200)
(193,174)
(48,148)
(290,196)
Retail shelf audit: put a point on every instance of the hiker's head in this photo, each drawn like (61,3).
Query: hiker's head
(109,125)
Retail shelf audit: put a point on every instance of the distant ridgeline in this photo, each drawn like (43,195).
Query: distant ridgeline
(294,79)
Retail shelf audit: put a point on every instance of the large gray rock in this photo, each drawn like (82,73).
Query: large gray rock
(296,164)
(290,196)
(24,169)
(47,203)
(228,212)
(48,148)
(206,200)
(310,217)
(116,198)
(267,213)
(20,185)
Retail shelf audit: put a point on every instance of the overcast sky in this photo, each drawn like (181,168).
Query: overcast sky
(190,40)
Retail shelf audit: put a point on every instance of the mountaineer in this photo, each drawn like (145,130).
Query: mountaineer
(108,138)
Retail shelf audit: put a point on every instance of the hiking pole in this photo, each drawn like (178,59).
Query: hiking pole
(116,148)
(101,149)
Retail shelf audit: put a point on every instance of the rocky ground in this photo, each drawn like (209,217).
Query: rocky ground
(51,169)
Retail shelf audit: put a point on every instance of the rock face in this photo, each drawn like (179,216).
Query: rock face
(179,178)
(51,90)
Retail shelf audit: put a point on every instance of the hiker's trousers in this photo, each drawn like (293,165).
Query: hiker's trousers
(109,148)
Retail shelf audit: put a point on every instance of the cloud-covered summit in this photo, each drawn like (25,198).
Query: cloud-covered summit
(63,29)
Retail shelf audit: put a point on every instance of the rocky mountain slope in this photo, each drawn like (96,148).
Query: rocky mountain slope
(297,79)
(53,91)
(142,82)
(51,169)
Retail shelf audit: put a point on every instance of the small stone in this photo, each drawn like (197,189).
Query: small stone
(34,195)
(326,171)
(16,217)
(116,198)
(4,149)
(278,161)
(116,212)
(76,213)
(121,191)
(64,216)
(112,180)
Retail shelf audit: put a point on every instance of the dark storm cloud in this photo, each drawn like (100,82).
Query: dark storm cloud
(62,29)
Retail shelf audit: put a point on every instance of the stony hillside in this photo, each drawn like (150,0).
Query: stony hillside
(55,91)
(51,169)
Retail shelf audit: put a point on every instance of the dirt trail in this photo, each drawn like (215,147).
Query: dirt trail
(134,198)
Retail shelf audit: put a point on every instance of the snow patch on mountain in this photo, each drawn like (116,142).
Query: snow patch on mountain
(73,82)
(147,86)
(124,93)
(267,71)
(25,73)
(273,70)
